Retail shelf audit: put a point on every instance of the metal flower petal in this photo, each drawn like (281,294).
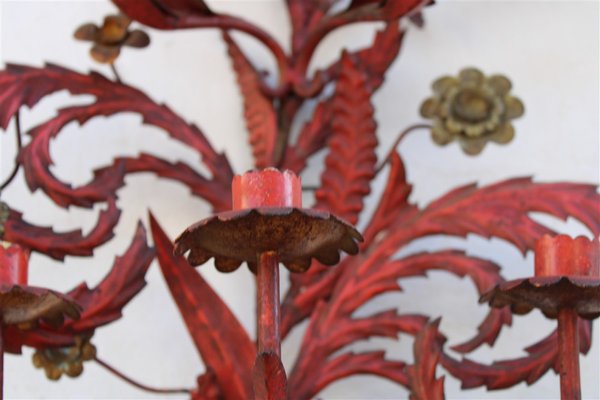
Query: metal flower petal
(137,39)
(472,110)
(57,361)
(105,54)
(110,37)
(87,32)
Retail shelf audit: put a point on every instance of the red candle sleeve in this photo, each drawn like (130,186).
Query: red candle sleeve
(14,262)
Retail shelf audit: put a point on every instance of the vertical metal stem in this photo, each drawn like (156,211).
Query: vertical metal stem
(19,140)
(1,359)
(116,73)
(269,340)
(568,354)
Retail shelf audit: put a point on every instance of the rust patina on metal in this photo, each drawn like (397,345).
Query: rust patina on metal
(23,305)
(296,234)
(267,217)
(471,109)
(548,294)
(26,306)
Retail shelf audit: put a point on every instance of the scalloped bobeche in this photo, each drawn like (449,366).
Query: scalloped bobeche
(296,234)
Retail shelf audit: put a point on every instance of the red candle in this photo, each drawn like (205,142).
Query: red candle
(563,255)
(266,188)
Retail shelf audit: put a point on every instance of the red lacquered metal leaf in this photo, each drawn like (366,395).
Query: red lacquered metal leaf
(393,203)
(36,162)
(269,378)
(362,278)
(506,373)
(189,134)
(147,12)
(308,289)
(373,363)
(184,7)
(375,60)
(483,273)
(501,210)
(304,16)
(346,293)
(312,138)
(362,284)
(220,339)
(207,387)
(101,305)
(105,302)
(393,9)
(163,14)
(21,85)
(488,331)
(345,365)
(423,383)
(350,164)
(261,119)
(361,3)
(331,328)
(26,85)
(385,324)
(210,190)
(58,245)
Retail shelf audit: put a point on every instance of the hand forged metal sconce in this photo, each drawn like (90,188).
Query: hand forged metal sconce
(268,226)
(566,286)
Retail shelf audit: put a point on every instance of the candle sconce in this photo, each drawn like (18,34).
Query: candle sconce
(566,287)
(260,221)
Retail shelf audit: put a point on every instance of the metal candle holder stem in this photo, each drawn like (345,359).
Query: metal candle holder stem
(566,286)
(268,226)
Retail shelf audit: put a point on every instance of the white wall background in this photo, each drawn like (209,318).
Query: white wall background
(548,48)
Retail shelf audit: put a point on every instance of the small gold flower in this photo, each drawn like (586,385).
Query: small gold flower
(472,109)
(109,38)
(65,360)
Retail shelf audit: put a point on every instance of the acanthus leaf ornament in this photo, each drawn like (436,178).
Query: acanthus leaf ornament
(259,112)
(471,109)
(99,305)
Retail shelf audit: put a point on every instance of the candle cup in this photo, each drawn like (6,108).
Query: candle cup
(14,264)
(266,188)
(565,256)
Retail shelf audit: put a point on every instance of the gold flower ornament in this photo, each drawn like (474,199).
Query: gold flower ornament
(65,360)
(110,37)
(472,109)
